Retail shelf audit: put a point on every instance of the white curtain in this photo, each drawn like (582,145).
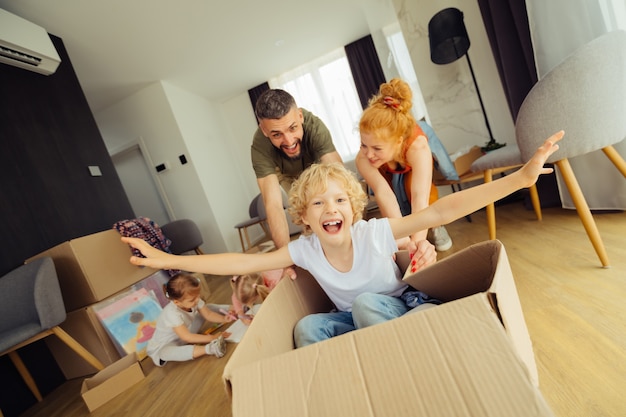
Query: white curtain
(558,28)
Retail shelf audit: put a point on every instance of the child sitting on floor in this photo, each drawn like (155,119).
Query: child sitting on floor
(176,335)
(250,289)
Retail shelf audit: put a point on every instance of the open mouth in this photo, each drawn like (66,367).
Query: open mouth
(333,226)
(290,149)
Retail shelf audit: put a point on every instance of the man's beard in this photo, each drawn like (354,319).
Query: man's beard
(293,158)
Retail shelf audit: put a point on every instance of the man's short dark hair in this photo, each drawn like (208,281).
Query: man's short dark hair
(274,104)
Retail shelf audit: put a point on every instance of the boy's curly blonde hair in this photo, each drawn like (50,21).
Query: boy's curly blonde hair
(314,181)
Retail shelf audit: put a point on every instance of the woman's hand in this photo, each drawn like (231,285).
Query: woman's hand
(422,253)
(154,258)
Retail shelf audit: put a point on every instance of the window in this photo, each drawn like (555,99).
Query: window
(404,65)
(325,87)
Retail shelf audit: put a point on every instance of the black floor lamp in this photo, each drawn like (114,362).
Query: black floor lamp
(448,42)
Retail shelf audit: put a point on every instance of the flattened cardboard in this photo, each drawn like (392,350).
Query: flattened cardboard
(469,356)
(93,267)
(111,381)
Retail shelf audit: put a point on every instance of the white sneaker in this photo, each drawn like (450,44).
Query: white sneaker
(439,237)
(217,347)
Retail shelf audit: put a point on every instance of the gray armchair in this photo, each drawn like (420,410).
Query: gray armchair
(585,95)
(185,236)
(31,308)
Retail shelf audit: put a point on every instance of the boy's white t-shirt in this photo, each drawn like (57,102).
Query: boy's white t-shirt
(374,269)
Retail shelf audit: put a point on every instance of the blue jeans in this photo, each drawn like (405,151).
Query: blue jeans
(368,309)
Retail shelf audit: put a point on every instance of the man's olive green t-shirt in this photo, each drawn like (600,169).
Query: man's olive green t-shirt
(267,159)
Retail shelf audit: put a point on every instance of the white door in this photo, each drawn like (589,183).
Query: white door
(139,185)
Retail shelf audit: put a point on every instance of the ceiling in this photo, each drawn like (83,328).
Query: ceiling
(215,49)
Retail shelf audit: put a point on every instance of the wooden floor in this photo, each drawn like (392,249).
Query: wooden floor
(575,311)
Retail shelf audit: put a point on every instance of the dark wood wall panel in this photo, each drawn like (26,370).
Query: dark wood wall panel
(48,138)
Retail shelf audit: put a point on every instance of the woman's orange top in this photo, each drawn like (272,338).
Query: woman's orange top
(387,172)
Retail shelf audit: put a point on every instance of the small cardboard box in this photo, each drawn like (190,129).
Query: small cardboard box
(93,267)
(111,381)
(462,163)
(470,356)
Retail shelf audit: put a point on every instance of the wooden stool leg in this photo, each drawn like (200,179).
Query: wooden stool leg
(245,232)
(534,198)
(616,158)
(243,246)
(77,347)
(490,209)
(583,210)
(26,376)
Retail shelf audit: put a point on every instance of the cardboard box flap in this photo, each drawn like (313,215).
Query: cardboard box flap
(467,272)
(512,316)
(381,371)
(109,371)
(482,267)
(111,381)
(271,331)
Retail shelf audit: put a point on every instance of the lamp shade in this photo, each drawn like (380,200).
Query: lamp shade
(448,36)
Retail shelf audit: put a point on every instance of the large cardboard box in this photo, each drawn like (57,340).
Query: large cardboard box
(111,381)
(93,267)
(471,356)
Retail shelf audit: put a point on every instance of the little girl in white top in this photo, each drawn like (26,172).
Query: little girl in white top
(176,337)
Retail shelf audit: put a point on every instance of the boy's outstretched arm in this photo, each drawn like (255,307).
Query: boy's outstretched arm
(459,204)
(217,264)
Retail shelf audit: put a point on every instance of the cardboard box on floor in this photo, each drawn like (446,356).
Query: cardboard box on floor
(111,381)
(93,267)
(470,356)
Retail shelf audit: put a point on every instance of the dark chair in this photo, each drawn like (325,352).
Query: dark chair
(293,228)
(31,308)
(185,236)
(256,218)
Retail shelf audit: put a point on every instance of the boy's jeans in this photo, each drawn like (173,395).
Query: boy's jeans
(368,309)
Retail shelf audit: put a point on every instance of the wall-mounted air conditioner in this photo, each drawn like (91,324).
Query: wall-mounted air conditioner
(24,44)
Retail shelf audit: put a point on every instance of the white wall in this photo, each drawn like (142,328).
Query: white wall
(148,115)
(448,90)
(214,157)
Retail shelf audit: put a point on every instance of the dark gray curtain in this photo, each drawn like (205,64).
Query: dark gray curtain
(506,23)
(365,66)
(255,93)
